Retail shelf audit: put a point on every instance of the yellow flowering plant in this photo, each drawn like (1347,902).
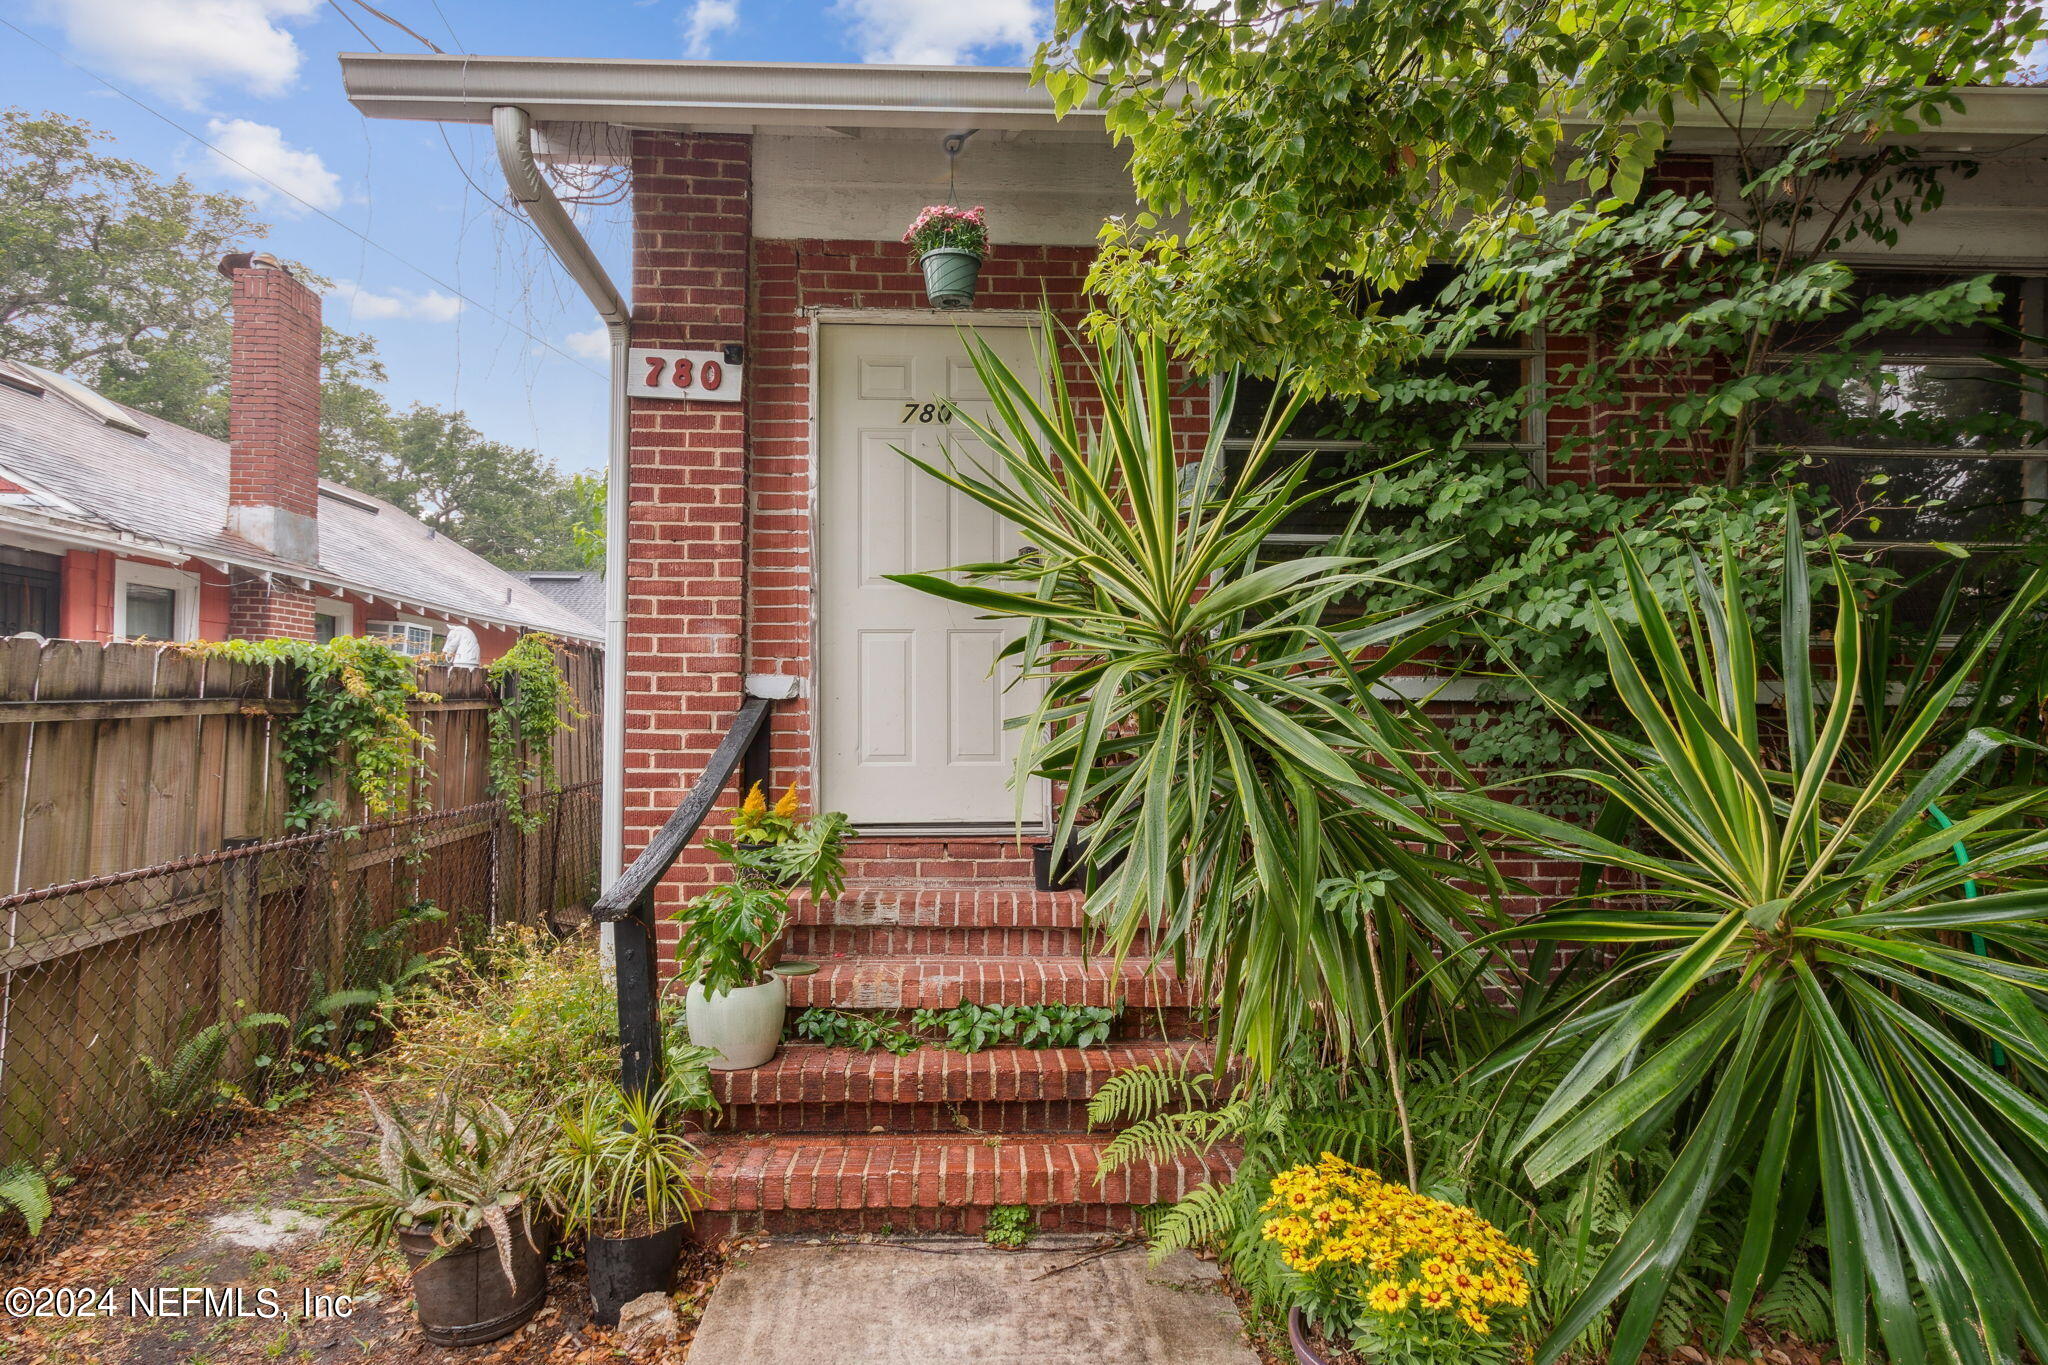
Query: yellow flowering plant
(1405,1278)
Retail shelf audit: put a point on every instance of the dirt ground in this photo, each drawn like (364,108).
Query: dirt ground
(240,1216)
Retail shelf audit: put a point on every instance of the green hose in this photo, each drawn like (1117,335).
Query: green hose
(1977,943)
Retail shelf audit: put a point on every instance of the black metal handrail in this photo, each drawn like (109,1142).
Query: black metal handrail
(628,903)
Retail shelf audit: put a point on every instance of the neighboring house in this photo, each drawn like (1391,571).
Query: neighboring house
(768,204)
(582,593)
(114,524)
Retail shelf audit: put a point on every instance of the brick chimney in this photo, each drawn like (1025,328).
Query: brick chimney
(274,410)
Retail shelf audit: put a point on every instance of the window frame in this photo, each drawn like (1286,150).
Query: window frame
(183,584)
(2033,401)
(344,614)
(1534,445)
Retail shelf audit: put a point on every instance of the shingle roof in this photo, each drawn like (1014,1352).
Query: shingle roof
(582,593)
(168,490)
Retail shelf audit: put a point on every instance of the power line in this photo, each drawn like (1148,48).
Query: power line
(353,231)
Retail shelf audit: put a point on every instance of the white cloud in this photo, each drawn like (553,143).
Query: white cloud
(705,20)
(271,170)
(366,305)
(943,32)
(595,344)
(183,47)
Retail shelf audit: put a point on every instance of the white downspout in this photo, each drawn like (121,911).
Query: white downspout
(514,133)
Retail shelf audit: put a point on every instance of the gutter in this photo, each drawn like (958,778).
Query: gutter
(513,130)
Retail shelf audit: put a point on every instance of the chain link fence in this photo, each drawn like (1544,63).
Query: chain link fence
(143,1009)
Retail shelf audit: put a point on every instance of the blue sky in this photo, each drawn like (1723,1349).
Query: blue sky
(258,80)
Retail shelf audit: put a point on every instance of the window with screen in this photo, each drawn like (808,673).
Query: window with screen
(326,626)
(1473,399)
(151,612)
(1938,442)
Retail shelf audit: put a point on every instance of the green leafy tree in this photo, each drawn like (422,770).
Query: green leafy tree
(587,531)
(1317,153)
(508,504)
(106,268)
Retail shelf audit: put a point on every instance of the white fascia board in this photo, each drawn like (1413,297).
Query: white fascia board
(649,92)
(712,96)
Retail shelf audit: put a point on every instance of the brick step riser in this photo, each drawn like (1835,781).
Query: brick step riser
(1011,1118)
(902,940)
(715,1225)
(1135,1025)
(943,993)
(944,909)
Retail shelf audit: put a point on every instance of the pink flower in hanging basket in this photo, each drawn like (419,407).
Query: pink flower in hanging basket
(943,225)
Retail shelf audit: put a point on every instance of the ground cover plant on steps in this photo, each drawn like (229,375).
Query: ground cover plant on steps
(966,1027)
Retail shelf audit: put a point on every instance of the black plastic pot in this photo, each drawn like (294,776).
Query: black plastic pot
(462,1296)
(624,1268)
(1071,873)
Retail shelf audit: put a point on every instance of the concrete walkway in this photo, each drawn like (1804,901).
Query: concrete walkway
(954,1301)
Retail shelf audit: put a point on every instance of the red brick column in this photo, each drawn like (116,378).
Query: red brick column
(274,411)
(686,516)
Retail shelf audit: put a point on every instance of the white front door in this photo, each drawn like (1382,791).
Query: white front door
(911,706)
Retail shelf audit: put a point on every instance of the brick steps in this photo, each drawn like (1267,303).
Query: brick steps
(834,1140)
(899,1182)
(942,921)
(899,983)
(944,907)
(886,940)
(813,1089)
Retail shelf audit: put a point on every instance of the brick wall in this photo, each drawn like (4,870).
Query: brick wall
(268,610)
(719,521)
(686,510)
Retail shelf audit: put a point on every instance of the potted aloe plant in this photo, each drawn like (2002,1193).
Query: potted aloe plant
(737,997)
(950,243)
(622,1174)
(451,1186)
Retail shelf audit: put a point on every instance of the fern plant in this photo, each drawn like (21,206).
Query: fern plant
(189,1083)
(25,1189)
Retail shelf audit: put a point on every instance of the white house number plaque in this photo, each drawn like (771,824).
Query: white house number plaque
(702,375)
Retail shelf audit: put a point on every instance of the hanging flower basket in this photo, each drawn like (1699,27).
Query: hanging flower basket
(949,243)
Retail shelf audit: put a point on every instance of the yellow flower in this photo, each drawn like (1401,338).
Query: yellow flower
(1435,1298)
(1475,1320)
(1387,1297)
(786,807)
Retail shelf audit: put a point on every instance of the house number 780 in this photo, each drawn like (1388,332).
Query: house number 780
(926,412)
(683,372)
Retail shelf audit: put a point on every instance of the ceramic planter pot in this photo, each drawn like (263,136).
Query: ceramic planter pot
(462,1296)
(949,277)
(1298,1337)
(744,1026)
(624,1268)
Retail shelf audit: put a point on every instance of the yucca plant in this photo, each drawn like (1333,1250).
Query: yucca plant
(621,1166)
(1235,746)
(1796,987)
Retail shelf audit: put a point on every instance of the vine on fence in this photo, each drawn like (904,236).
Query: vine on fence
(534,705)
(357,692)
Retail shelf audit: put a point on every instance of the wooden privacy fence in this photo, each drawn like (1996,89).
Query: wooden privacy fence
(168,948)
